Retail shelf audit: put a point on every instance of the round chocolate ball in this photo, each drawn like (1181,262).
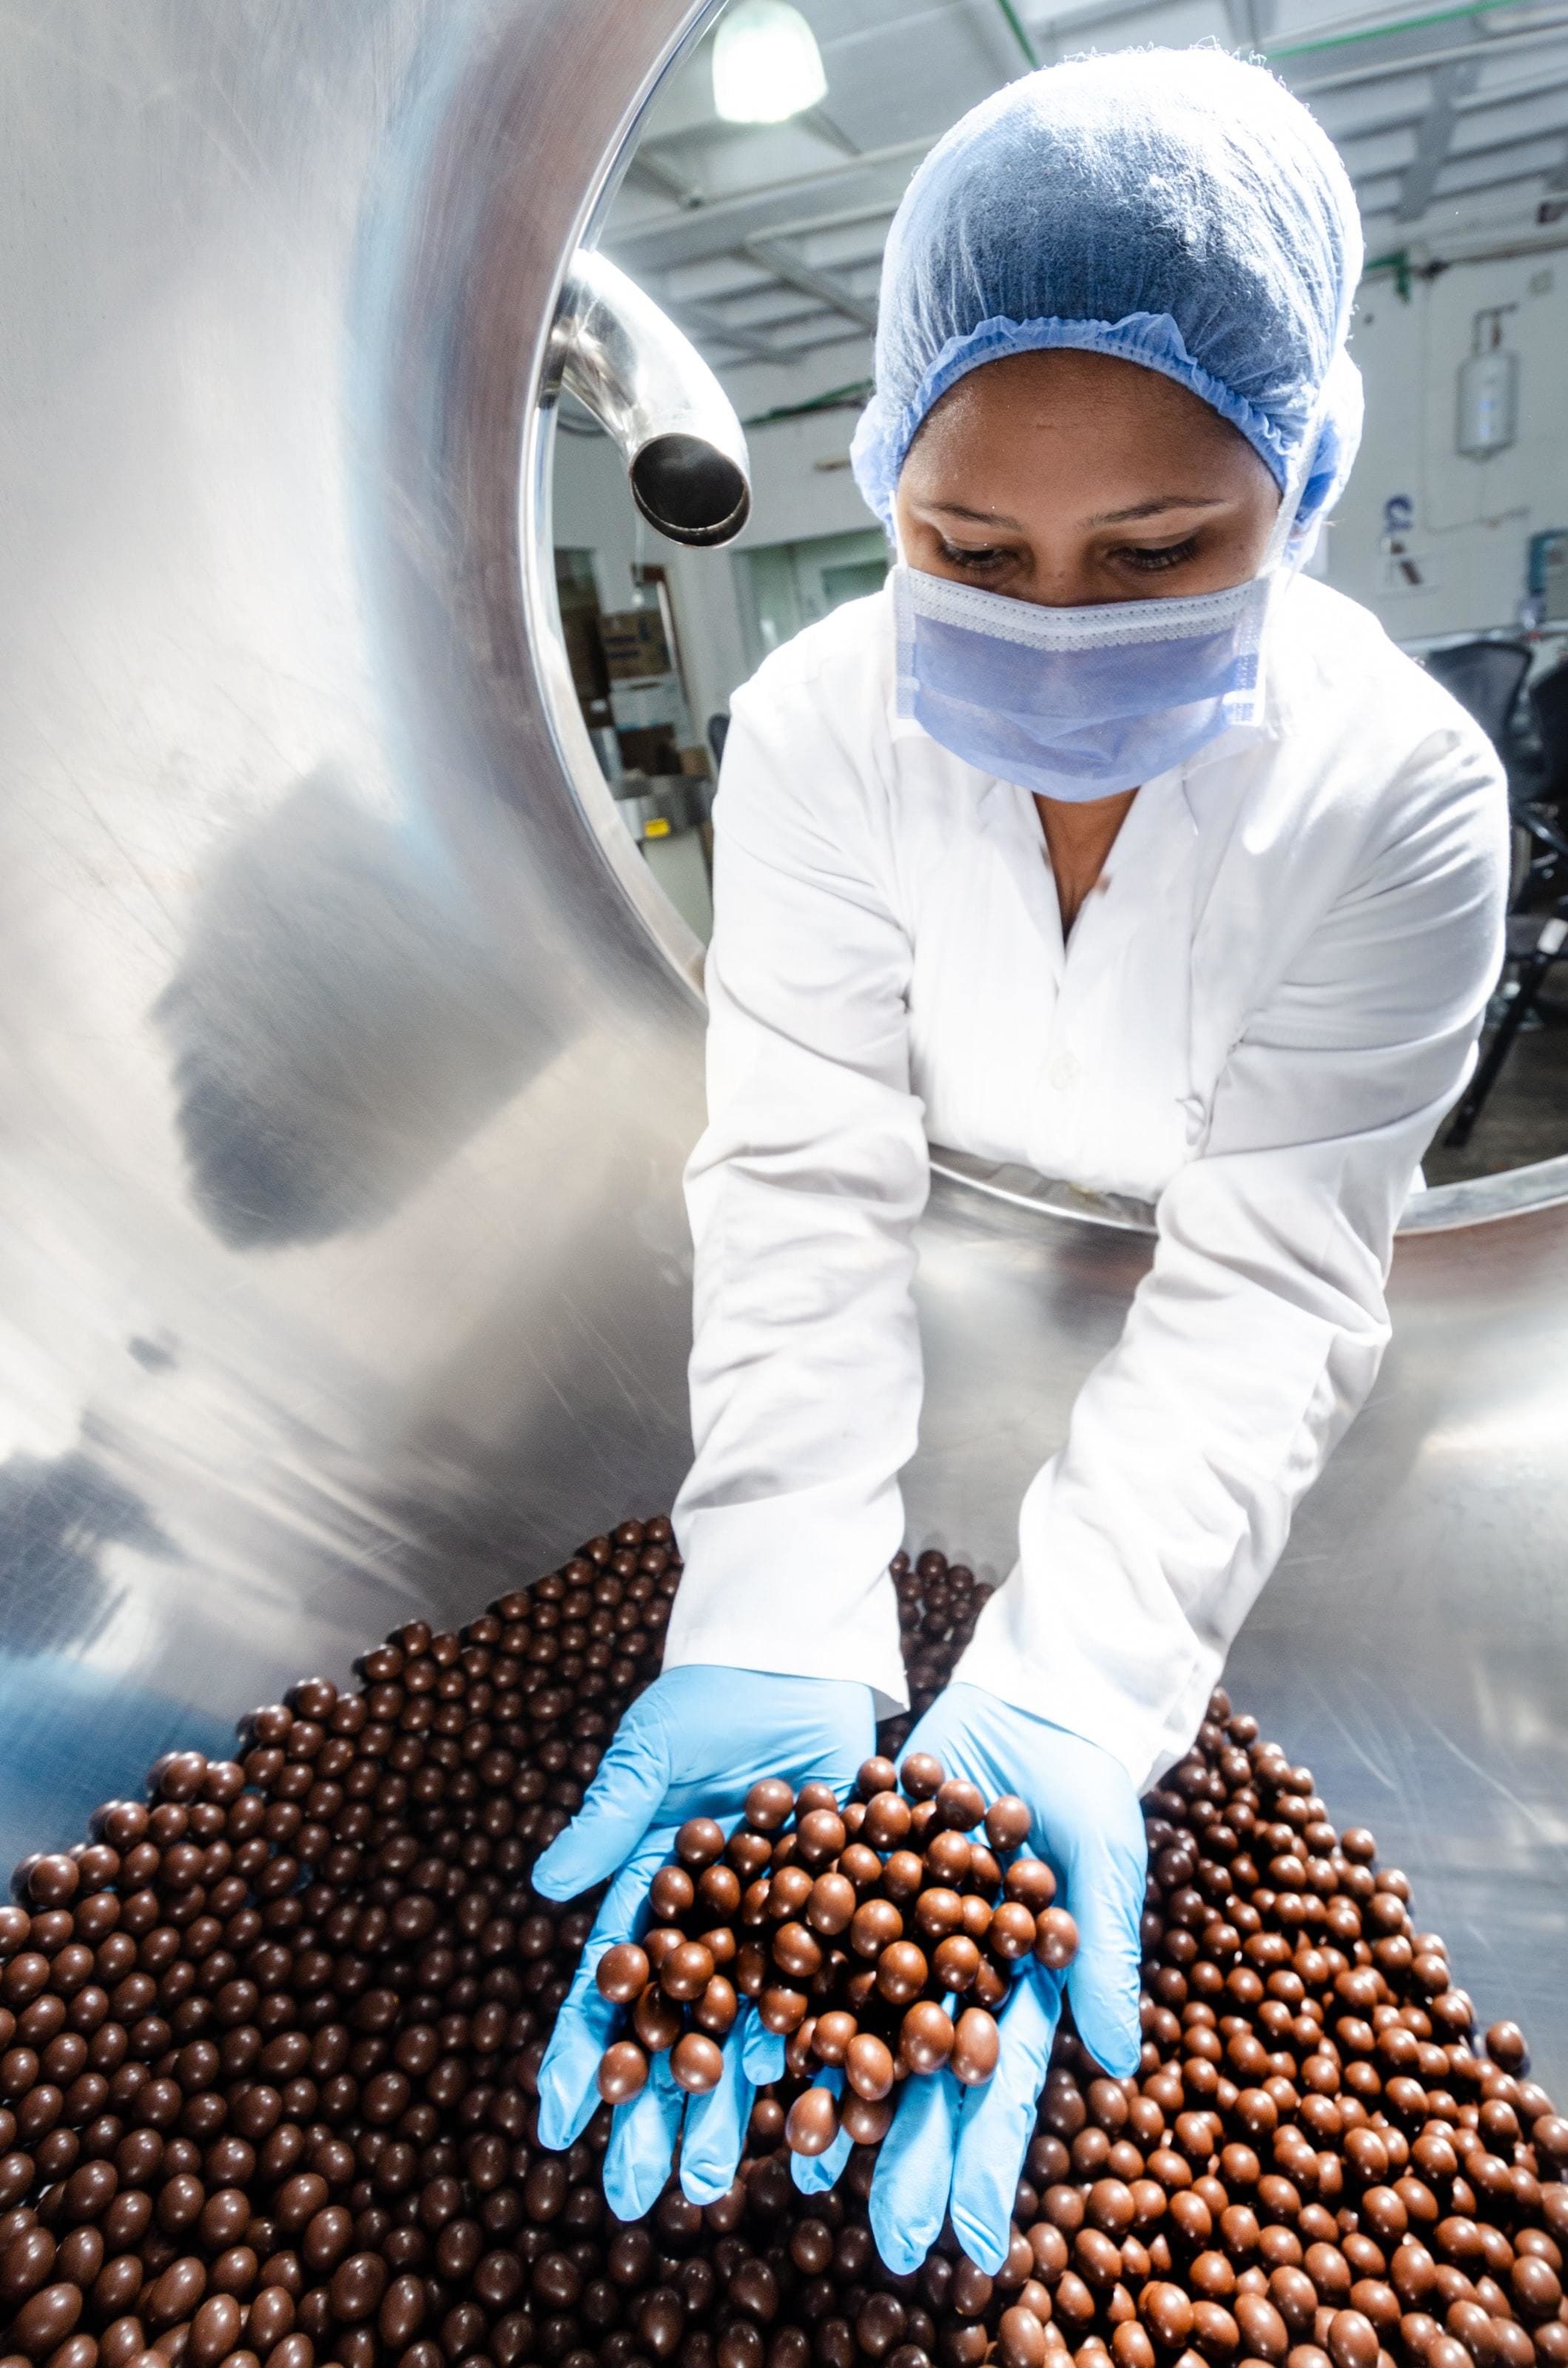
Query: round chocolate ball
(700,1843)
(975,2047)
(697,2063)
(1020,2340)
(869,2067)
(687,1971)
(926,2038)
(623,2070)
(1011,1932)
(1056,1939)
(1507,2047)
(768,1804)
(902,1972)
(886,1822)
(623,1974)
(1007,1823)
(960,1805)
(922,1776)
(956,1962)
(812,2123)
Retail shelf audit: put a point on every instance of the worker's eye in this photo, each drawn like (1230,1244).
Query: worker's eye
(1149,561)
(974,562)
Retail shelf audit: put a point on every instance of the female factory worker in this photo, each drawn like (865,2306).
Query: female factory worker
(1104,842)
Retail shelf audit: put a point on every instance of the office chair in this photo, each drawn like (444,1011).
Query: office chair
(1537,930)
(1487,677)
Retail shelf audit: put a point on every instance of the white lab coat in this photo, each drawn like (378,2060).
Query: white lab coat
(1260,1016)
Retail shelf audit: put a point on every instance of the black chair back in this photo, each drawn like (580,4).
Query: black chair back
(718,732)
(1487,677)
(1548,698)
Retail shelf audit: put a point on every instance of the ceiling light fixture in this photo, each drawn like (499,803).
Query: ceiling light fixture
(767,64)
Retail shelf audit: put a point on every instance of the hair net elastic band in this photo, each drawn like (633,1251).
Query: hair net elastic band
(1152,339)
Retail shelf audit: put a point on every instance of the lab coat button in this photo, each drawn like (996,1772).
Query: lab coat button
(1063,1072)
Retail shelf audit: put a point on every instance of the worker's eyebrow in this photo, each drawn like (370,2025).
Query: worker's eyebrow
(979,517)
(1157,505)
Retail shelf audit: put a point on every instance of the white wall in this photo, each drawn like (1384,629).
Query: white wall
(1473,518)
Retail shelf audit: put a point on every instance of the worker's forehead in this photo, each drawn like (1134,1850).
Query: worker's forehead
(1021,428)
(1063,392)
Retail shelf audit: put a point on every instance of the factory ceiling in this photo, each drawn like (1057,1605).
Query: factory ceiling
(765,240)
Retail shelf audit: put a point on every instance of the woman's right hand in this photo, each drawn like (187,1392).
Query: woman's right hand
(693,1744)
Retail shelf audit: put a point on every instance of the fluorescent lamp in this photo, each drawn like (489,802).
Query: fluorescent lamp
(767,64)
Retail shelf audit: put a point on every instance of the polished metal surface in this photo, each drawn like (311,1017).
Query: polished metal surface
(650,389)
(1413,1646)
(346,1063)
(348,1054)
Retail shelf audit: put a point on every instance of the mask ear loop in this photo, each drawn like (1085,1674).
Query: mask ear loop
(1274,568)
(1290,499)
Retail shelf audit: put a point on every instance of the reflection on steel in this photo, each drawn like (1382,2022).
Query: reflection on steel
(1022,1188)
(1444,1209)
(348,1055)
(1483,1199)
(346,1074)
(1413,1647)
(651,390)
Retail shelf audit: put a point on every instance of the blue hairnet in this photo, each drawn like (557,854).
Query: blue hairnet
(1176,208)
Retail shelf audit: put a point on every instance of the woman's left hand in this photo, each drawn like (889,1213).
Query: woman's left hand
(963,2150)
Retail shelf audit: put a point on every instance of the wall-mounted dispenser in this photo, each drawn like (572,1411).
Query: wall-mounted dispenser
(1488,390)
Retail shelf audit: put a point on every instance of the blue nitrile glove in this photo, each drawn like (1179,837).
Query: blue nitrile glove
(963,2150)
(692,1746)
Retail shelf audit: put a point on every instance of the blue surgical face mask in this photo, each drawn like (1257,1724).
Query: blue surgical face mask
(1076,704)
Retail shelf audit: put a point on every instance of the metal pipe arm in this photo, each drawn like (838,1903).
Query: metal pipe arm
(651,390)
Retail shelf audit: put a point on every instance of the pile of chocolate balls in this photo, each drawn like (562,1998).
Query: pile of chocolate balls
(269,2043)
(849,1925)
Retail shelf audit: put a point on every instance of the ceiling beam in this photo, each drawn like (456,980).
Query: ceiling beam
(776,258)
(843,218)
(709,326)
(648,165)
(1389,69)
(818,119)
(1476,189)
(1251,21)
(1468,105)
(1513,145)
(1433,137)
(1521,159)
(724,226)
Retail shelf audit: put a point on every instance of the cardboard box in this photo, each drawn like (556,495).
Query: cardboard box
(634,645)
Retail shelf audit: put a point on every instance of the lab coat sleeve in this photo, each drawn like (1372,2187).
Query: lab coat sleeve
(1256,1336)
(802,1195)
